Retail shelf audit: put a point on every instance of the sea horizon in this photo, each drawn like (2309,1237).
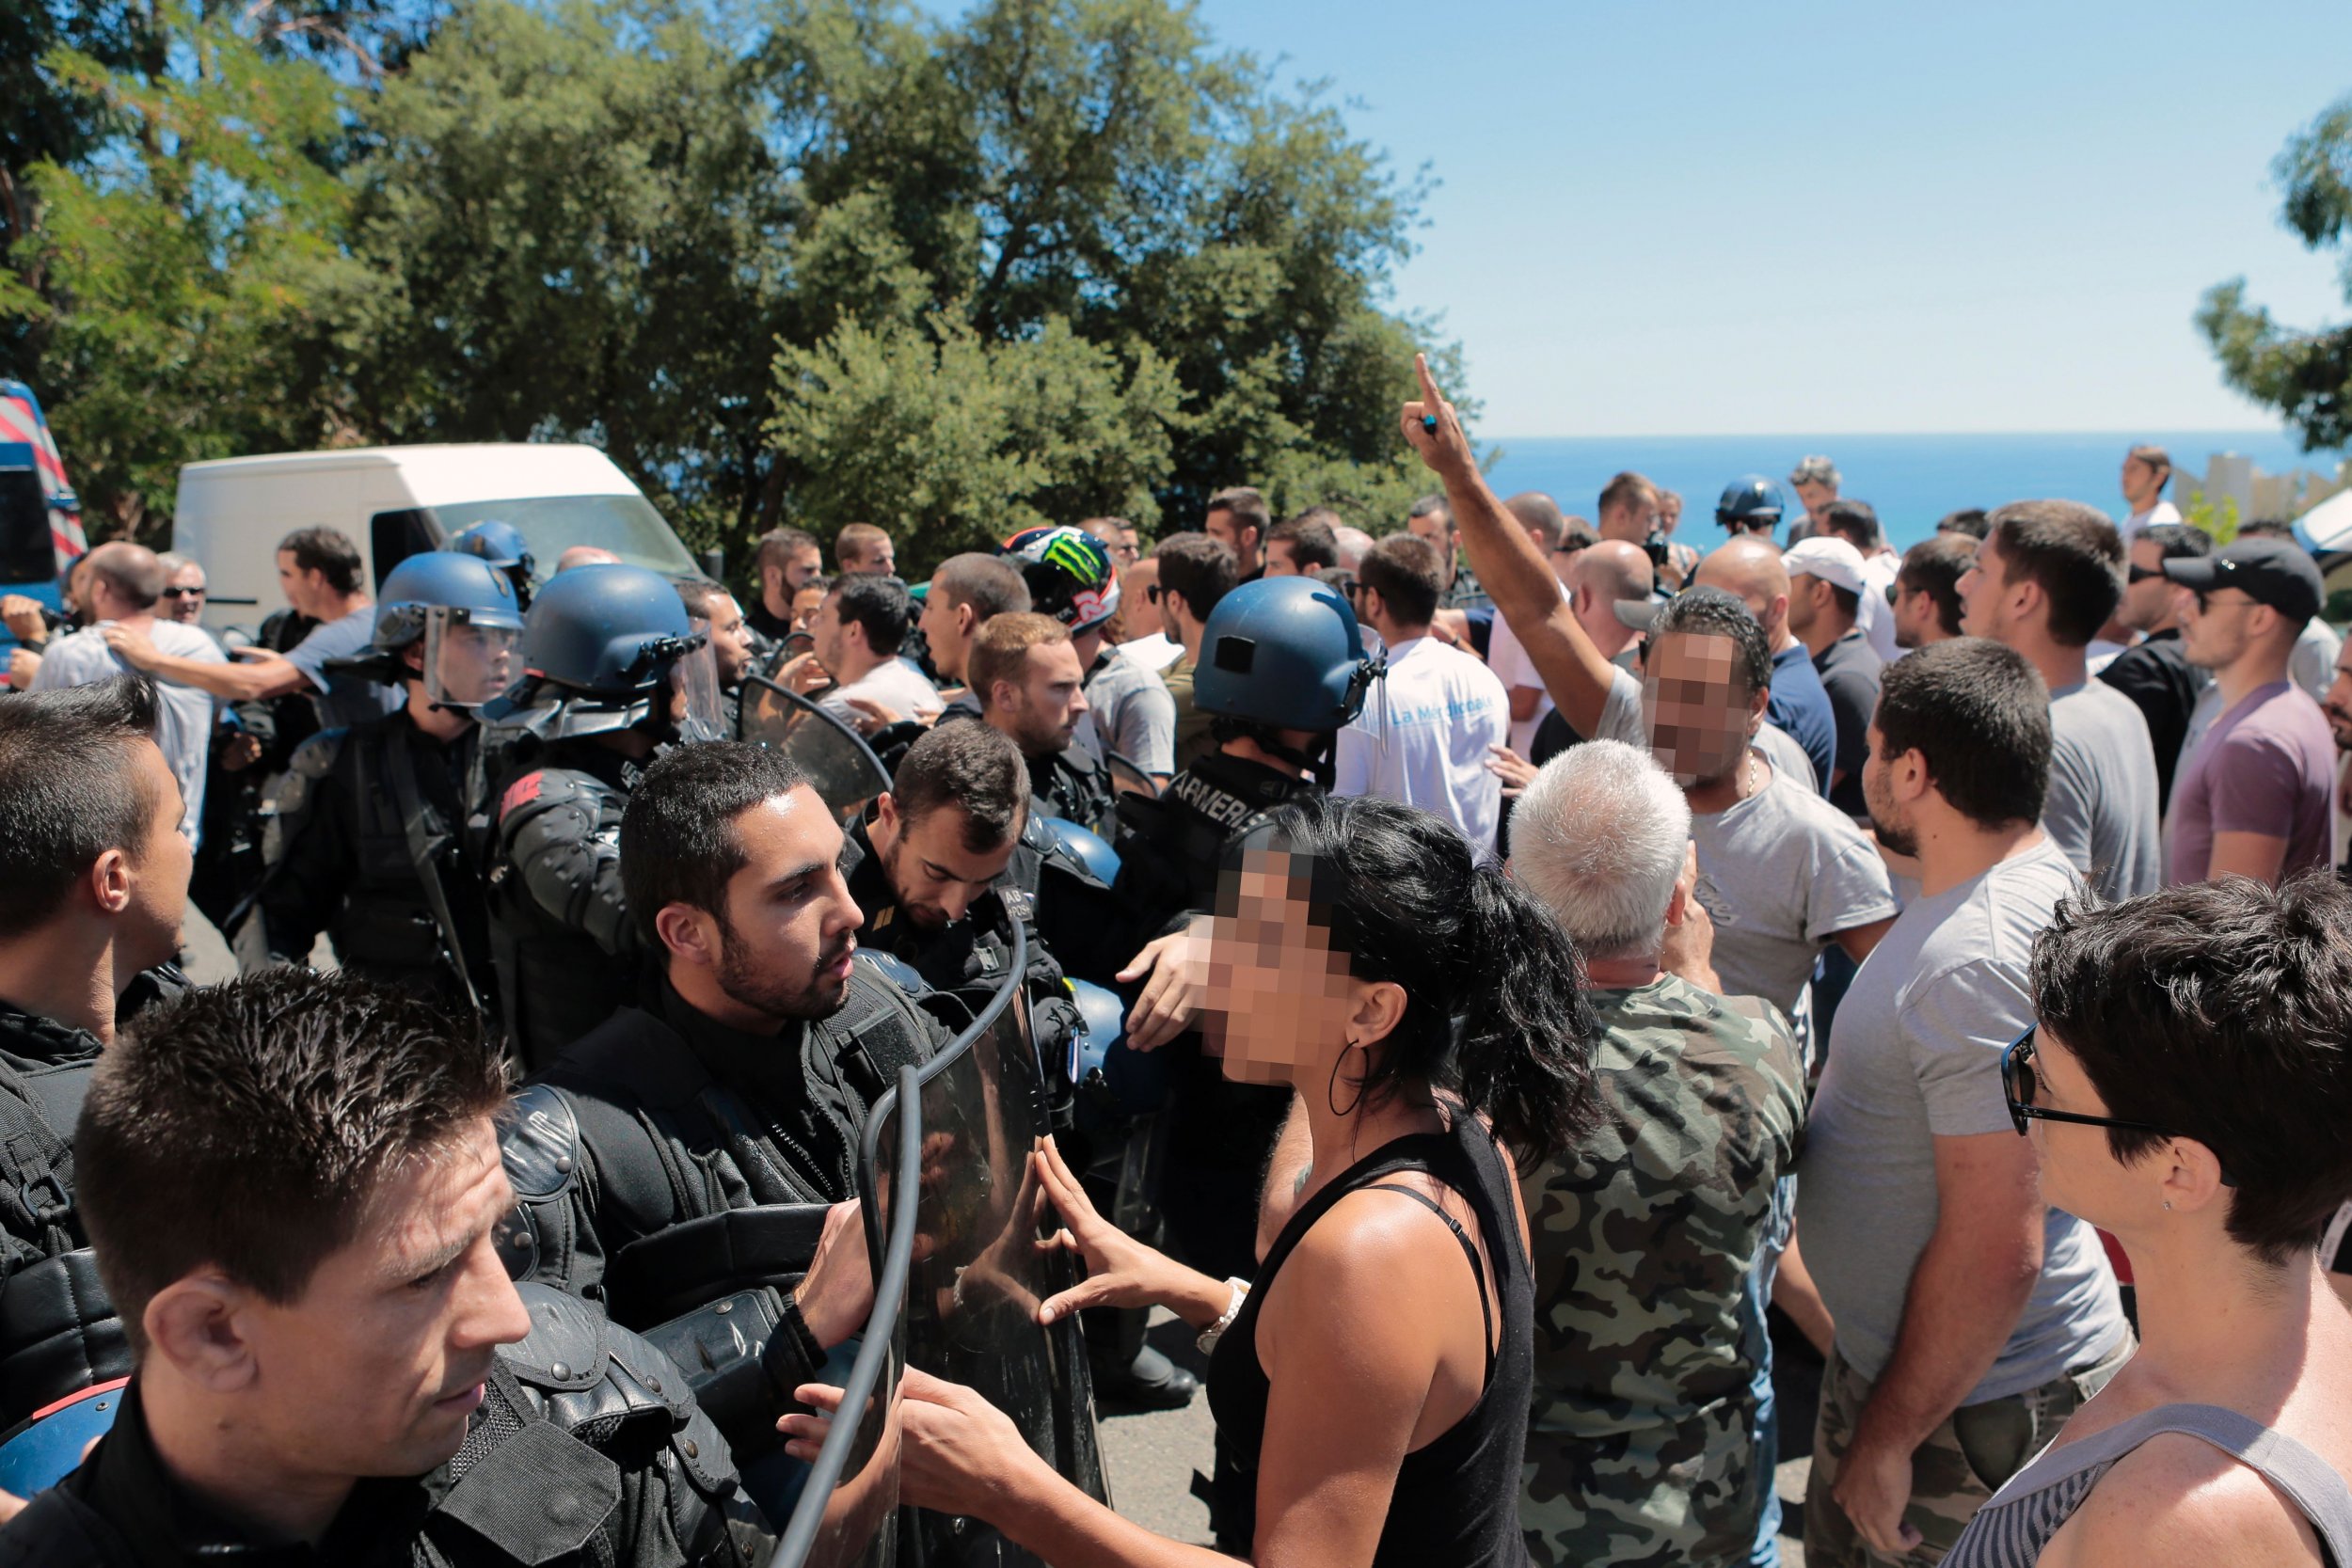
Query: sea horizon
(1911,479)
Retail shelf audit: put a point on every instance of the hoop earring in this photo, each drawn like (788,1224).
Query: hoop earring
(1331,1090)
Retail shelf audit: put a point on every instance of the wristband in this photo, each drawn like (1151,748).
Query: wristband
(1215,1331)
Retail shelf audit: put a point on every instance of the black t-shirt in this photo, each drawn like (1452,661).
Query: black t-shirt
(2161,682)
(1850,673)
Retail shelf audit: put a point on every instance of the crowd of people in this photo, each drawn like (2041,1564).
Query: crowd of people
(1502,980)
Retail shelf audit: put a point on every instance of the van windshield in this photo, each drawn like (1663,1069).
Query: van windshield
(27,556)
(625,525)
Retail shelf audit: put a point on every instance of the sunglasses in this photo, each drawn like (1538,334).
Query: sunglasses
(184,593)
(1151,592)
(2145,574)
(2019,1087)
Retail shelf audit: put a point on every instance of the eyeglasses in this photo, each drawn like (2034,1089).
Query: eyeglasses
(2144,574)
(1151,592)
(2019,1087)
(184,593)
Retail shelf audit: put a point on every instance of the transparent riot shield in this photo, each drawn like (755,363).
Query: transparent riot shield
(695,707)
(978,1277)
(467,662)
(1129,777)
(842,768)
(847,1515)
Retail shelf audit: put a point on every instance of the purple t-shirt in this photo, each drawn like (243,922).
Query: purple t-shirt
(2264,767)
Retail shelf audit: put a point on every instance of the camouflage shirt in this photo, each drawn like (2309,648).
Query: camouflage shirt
(1646,1347)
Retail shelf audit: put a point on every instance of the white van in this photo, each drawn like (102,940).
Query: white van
(395,501)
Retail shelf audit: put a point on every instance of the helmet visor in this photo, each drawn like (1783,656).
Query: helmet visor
(695,705)
(466,663)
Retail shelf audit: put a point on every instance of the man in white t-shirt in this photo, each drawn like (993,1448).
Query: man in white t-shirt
(123,583)
(2147,469)
(1424,735)
(857,633)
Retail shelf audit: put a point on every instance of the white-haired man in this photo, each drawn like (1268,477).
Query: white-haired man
(1649,1232)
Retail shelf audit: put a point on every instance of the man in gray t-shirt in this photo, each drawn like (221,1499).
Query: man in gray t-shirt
(1133,715)
(1971,1318)
(2101,809)
(342,699)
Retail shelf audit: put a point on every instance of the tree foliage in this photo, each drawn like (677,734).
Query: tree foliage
(2305,375)
(817,260)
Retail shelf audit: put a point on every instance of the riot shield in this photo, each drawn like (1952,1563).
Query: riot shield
(978,1277)
(1128,777)
(848,1513)
(840,765)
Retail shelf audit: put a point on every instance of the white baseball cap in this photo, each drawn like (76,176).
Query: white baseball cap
(1829,557)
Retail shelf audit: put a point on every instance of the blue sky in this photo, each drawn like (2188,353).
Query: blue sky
(1703,218)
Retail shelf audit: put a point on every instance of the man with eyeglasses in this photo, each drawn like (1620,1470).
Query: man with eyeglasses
(1971,1318)
(2253,796)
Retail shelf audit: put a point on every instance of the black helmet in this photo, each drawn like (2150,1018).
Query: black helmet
(1749,505)
(1069,574)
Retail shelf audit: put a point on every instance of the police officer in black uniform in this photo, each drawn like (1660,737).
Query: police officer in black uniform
(613,671)
(1284,668)
(690,1161)
(377,839)
(97,874)
(397,1401)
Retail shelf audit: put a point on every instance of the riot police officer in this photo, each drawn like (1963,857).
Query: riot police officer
(613,671)
(689,1161)
(97,877)
(502,545)
(333,1366)
(376,839)
(1282,669)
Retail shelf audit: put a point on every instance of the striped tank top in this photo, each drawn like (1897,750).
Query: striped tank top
(2010,1531)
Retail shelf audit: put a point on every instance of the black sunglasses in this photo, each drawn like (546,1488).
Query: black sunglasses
(184,593)
(2018,1087)
(2145,574)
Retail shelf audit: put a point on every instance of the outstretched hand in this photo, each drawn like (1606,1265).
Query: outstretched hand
(1177,991)
(956,1452)
(1433,430)
(1121,1270)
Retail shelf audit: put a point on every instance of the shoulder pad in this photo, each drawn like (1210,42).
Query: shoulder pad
(541,1143)
(315,758)
(567,1346)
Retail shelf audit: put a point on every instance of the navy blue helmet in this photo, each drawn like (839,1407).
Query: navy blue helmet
(1285,653)
(1750,503)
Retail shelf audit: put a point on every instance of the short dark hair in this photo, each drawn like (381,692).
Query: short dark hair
(1433,502)
(1000,651)
(974,767)
(73,794)
(1712,613)
(1979,715)
(1539,514)
(985,582)
(1310,538)
(678,842)
(1970,520)
(2266,527)
(249,1126)
(877,603)
(1935,567)
(1625,489)
(1574,534)
(1405,570)
(1856,522)
(1247,506)
(328,552)
(778,545)
(2072,553)
(2179,541)
(1202,568)
(700,596)
(2219,1012)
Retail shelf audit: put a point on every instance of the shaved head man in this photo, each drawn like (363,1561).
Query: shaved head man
(1749,568)
(1600,575)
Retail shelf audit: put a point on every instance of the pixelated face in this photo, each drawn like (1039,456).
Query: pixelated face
(376,1368)
(1279,997)
(1701,717)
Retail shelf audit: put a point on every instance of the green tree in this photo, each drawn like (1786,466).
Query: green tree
(172,273)
(2305,375)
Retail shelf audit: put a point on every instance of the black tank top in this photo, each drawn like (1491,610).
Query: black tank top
(1456,1501)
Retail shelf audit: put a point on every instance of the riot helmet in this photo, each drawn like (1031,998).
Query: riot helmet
(500,544)
(1750,504)
(1069,574)
(610,646)
(1285,654)
(465,612)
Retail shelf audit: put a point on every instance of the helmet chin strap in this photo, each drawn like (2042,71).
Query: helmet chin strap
(1320,763)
